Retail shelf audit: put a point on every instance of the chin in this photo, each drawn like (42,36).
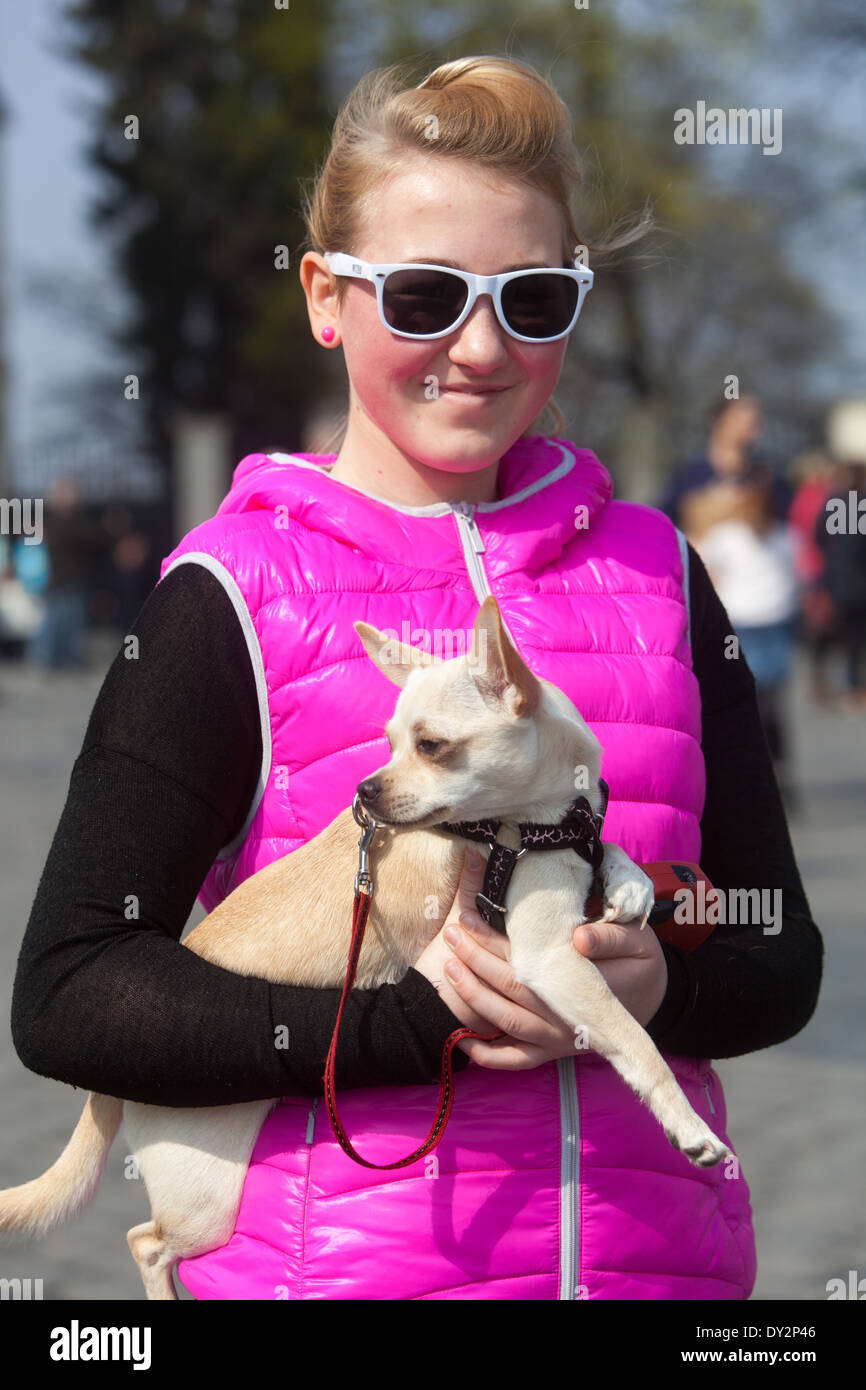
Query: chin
(461,451)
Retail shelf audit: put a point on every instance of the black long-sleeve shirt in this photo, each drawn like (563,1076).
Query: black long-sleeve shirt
(106,997)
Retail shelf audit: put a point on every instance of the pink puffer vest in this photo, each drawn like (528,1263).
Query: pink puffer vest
(554,1183)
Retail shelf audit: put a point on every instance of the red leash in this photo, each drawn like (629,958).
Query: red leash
(360,913)
(669,881)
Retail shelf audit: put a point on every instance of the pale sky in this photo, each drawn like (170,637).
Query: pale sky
(44,189)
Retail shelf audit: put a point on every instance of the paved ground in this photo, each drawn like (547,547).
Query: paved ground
(796,1112)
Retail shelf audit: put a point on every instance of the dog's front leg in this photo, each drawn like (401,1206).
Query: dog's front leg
(627,892)
(545,959)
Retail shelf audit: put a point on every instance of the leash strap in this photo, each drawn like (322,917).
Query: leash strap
(360,914)
(580,830)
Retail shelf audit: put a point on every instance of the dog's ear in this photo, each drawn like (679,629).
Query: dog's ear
(395,659)
(499,671)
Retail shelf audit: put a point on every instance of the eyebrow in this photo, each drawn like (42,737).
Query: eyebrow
(443,260)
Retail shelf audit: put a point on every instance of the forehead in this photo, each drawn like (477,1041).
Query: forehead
(449,700)
(449,209)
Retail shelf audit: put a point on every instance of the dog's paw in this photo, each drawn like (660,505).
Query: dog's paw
(628,893)
(702,1149)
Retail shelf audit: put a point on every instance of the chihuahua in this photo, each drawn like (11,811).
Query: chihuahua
(472,737)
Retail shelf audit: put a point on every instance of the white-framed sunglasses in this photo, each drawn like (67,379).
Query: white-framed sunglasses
(417,300)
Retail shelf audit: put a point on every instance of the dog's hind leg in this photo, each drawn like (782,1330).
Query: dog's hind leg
(155,1260)
(194,1165)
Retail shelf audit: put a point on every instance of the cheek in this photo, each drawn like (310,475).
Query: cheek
(377,360)
(542,365)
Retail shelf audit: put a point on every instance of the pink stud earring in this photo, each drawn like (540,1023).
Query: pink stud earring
(327,334)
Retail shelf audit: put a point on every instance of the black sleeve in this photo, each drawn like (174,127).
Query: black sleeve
(105,996)
(742,989)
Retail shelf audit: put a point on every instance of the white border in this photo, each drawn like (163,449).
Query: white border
(684,557)
(229,583)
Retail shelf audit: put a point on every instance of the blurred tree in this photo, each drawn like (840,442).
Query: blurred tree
(230,99)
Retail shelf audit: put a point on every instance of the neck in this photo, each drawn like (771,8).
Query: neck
(371,462)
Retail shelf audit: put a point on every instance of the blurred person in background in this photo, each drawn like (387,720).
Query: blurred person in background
(131,579)
(750,558)
(812,474)
(71,540)
(843,547)
(733,508)
(730,453)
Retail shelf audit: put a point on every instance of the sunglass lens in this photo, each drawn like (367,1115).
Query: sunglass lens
(540,306)
(422,301)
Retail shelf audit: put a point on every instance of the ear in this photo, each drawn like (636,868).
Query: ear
(499,670)
(395,659)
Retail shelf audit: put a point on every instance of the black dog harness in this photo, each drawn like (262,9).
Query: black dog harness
(580,830)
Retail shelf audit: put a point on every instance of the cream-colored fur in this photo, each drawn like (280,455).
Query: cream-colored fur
(479,736)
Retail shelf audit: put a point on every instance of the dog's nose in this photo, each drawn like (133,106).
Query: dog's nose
(370,791)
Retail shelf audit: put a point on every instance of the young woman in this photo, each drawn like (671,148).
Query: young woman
(251,713)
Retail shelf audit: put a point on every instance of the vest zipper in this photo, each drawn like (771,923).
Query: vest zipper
(311,1122)
(569,1179)
(473,546)
(709,1098)
(569,1243)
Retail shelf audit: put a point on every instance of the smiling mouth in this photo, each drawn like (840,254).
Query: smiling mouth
(475,391)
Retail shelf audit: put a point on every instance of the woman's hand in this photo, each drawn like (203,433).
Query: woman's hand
(474,979)
(632,962)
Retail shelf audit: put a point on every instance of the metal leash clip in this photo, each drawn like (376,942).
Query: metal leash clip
(363,878)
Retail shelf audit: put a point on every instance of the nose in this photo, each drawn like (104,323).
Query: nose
(370,791)
(481,339)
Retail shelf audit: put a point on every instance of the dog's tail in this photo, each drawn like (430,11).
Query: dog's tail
(70,1184)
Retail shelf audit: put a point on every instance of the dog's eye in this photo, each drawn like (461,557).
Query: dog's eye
(429,746)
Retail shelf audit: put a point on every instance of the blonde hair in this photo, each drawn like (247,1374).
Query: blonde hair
(497,113)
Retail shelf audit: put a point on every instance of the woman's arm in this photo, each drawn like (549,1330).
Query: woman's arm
(105,996)
(743,988)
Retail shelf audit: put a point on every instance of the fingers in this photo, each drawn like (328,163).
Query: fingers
(504,1055)
(471,882)
(472,873)
(603,939)
(484,934)
(482,958)
(486,982)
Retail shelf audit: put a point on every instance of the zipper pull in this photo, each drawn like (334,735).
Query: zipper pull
(311,1122)
(709,1098)
(467,511)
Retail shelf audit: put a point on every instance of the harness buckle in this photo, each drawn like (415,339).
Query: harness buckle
(489,904)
